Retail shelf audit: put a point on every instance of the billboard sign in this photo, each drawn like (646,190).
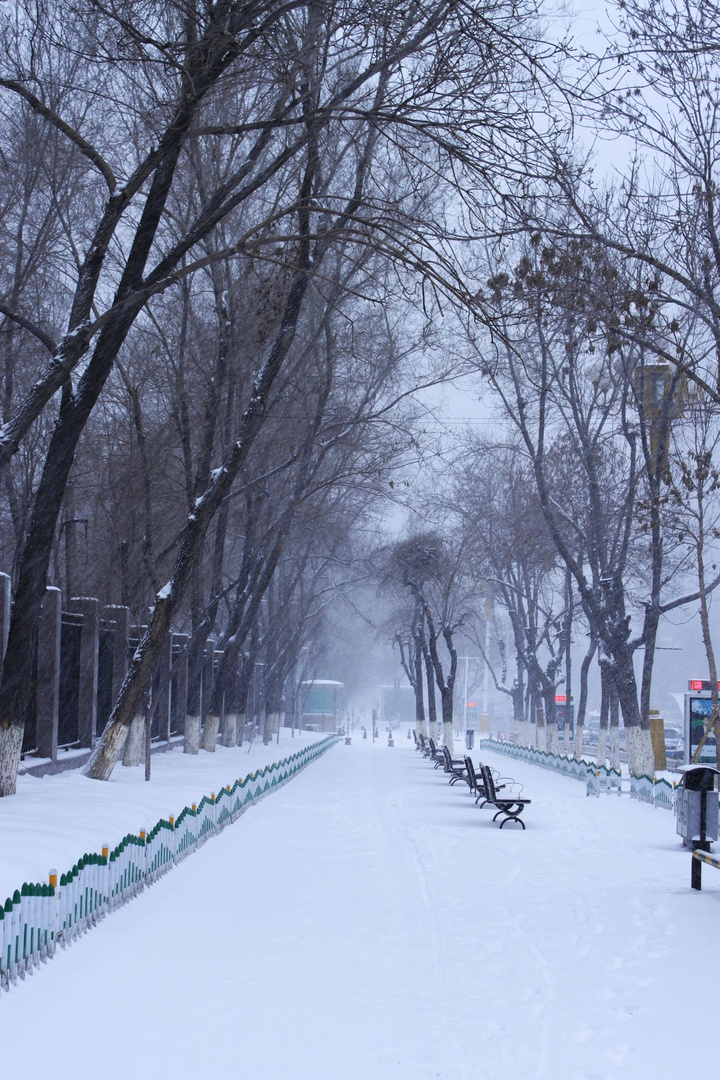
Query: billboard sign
(698,710)
(565,715)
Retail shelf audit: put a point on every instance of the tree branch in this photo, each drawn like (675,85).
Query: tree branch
(31,327)
(75,137)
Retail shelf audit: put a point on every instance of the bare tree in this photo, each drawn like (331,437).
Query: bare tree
(598,416)
(433,574)
(514,561)
(243,131)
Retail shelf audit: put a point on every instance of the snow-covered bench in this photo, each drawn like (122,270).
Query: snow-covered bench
(509,807)
(454,766)
(435,755)
(470,775)
(426,747)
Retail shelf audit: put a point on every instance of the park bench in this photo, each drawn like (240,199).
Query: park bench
(436,755)
(454,766)
(509,807)
(428,748)
(474,782)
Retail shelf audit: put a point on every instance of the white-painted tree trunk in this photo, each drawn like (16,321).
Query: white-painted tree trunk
(229,729)
(551,738)
(240,730)
(602,746)
(540,729)
(578,747)
(134,753)
(210,733)
(448,736)
(10,750)
(192,735)
(641,760)
(614,747)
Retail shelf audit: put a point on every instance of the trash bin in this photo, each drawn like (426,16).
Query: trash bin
(696,807)
(469,739)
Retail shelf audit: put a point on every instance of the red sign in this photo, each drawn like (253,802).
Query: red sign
(700,684)
(561,699)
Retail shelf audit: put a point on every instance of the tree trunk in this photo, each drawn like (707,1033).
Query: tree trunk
(242,688)
(430,681)
(532,711)
(605,680)
(191,744)
(551,727)
(518,704)
(641,760)
(418,687)
(11,740)
(148,737)
(229,735)
(193,722)
(447,716)
(569,605)
(210,733)
(134,737)
(614,728)
(582,700)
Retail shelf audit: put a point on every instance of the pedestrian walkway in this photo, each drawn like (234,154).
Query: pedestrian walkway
(369,923)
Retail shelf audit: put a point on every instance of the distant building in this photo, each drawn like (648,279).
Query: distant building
(397,703)
(322,704)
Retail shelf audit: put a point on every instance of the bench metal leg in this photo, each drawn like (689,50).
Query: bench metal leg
(512,817)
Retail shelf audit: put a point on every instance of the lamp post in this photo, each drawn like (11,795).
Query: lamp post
(485,716)
(467,660)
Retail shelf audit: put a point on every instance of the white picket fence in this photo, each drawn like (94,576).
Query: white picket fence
(38,919)
(598,778)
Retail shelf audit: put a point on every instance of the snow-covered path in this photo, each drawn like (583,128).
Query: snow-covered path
(367,922)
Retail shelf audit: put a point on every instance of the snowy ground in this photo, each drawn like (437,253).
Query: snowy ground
(367,922)
(53,820)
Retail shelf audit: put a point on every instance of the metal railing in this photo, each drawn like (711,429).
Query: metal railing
(598,778)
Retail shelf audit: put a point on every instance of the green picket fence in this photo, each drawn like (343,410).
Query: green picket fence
(39,918)
(577,768)
(656,791)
